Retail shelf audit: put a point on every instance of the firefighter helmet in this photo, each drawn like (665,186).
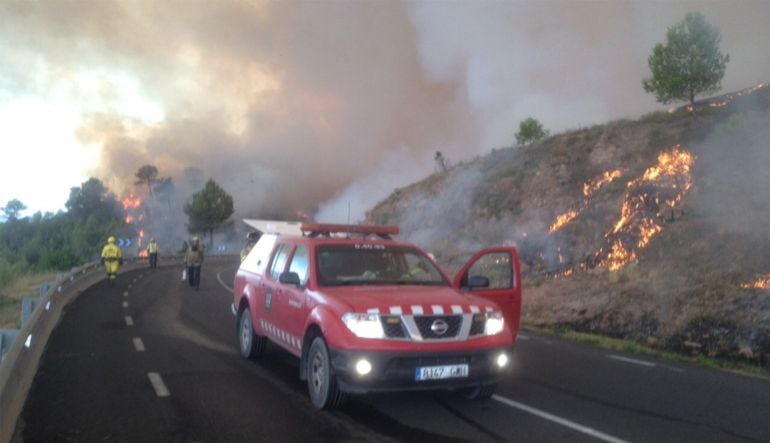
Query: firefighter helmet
(111,239)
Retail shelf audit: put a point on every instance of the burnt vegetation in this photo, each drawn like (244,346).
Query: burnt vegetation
(652,229)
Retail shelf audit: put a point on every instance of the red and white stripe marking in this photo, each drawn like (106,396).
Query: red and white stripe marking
(429,310)
(280,335)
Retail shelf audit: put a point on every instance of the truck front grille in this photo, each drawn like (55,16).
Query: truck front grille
(478,324)
(438,326)
(453,327)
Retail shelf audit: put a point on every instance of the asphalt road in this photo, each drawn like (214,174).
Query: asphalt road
(151,360)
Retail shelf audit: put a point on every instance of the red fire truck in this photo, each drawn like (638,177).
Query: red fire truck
(366,313)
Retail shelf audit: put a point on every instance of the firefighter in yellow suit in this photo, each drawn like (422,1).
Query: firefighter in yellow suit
(112,258)
(152,253)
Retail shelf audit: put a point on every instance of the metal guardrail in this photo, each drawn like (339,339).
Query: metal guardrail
(7,337)
(20,363)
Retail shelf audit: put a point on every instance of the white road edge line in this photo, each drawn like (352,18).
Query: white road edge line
(129,320)
(138,344)
(219,279)
(632,361)
(158,385)
(562,421)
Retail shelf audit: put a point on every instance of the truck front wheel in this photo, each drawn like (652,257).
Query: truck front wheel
(252,345)
(321,383)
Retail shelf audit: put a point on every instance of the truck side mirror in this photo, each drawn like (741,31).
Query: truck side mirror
(478,281)
(292,278)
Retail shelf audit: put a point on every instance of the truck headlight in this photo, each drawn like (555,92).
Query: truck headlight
(501,360)
(494,324)
(364,325)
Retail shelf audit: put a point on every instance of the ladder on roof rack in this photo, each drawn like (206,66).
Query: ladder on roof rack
(327,229)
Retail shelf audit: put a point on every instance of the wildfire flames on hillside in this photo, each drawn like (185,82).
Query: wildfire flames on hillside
(660,188)
(136,215)
(133,207)
(646,202)
(760,283)
(725,99)
(563,219)
(589,188)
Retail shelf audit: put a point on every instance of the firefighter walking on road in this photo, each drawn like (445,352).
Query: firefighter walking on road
(193,259)
(152,252)
(112,258)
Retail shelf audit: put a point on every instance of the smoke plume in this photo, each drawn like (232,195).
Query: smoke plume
(301,106)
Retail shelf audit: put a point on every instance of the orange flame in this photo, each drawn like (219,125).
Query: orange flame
(727,99)
(606,178)
(663,184)
(131,202)
(589,188)
(562,220)
(760,283)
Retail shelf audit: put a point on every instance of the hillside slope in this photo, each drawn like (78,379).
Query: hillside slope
(656,229)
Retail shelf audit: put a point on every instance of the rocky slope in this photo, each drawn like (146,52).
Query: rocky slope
(656,229)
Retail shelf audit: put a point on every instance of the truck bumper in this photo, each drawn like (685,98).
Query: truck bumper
(396,371)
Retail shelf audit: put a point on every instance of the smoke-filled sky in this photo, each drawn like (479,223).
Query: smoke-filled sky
(318,105)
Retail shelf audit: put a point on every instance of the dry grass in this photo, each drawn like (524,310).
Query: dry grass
(12,295)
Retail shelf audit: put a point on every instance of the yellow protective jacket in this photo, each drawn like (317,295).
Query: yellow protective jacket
(112,252)
(193,258)
(152,248)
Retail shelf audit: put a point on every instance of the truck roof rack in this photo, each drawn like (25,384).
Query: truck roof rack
(327,229)
(274,226)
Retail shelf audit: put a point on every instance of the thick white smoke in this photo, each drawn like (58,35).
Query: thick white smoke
(288,104)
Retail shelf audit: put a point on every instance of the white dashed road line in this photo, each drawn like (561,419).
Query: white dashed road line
(125,294)
(129,320)
(125,304)
(157,383)
(562,421)
(138,344)
(632,361)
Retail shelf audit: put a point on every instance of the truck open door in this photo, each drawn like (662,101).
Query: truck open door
(494,274)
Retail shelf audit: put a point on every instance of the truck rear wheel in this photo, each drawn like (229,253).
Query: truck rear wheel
(252,345)
(321,383)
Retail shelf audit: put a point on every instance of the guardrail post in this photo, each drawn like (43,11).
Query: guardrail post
(7,336)
(28,305)
(44,288)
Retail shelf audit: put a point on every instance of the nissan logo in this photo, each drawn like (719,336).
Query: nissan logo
(439,327)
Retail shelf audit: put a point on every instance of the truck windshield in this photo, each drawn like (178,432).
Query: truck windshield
(375,264)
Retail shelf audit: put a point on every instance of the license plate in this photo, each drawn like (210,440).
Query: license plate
(441,372)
